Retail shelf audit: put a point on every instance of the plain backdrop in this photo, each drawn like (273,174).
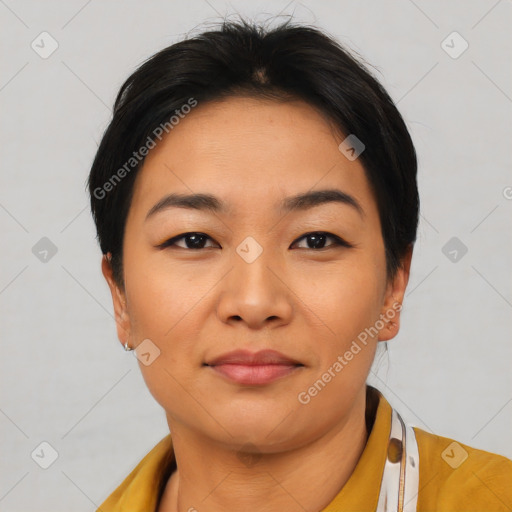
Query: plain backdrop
(65,379)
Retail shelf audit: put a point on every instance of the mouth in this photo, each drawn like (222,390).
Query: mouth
(254,374)
(254,369)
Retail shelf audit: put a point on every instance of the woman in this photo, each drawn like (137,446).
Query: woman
(256,204)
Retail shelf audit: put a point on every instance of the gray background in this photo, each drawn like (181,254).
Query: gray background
(64,376)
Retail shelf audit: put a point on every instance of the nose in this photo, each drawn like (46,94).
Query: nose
(255,293)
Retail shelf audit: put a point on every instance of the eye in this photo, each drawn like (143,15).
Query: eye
(196,241)
(317,240)
(193,241)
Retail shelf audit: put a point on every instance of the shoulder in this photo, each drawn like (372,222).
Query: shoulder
(139,490)
(456,477)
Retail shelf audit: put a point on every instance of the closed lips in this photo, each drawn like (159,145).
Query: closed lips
(247,358)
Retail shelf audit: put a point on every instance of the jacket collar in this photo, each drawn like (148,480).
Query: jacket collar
(140,489)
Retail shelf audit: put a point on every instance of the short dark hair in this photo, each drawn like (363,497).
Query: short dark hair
(291,61)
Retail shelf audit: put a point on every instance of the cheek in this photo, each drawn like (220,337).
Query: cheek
(168,305)
(163,308)
(347,303)
(160,297)
(347,298)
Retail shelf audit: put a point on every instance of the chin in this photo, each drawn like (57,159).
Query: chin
(273,431)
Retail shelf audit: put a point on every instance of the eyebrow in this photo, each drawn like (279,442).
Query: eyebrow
(300,202)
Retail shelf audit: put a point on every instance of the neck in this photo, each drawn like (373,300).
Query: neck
(218,479)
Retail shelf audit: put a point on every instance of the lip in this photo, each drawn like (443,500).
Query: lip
(248,358)
(258,368)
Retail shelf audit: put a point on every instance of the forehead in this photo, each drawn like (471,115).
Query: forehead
(250,152)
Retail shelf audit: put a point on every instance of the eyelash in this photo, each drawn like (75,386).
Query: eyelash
(337,241)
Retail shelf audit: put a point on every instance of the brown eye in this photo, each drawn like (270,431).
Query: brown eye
(317,240)
(193,241)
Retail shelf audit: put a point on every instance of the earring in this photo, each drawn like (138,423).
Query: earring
(127,347)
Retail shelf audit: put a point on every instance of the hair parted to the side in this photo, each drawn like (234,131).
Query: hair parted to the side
(290,61)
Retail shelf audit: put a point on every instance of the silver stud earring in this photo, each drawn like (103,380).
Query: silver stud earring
(127,347)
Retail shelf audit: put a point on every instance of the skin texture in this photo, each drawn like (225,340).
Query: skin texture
(255,448)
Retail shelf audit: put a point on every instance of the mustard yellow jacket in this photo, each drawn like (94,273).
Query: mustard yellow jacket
(453,477)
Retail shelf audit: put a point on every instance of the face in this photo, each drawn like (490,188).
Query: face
(255,270)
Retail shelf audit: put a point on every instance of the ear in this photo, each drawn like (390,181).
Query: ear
(118,299)
(394,297)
